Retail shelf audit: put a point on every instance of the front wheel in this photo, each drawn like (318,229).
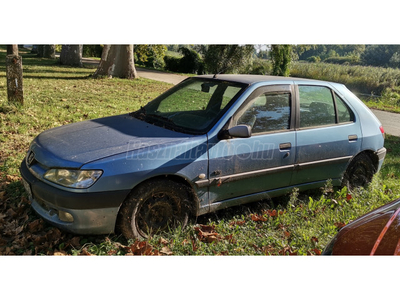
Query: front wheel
(154,207)
(360,172)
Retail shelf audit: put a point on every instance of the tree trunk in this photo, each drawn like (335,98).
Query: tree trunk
(46,51)
(12,49)
(71,55)
(34,49)
(49,51)
(117,61)
(14,78)
(40,50)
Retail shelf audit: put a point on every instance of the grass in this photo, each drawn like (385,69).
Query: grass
(300,224)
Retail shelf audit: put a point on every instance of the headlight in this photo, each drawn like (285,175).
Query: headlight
(79,179)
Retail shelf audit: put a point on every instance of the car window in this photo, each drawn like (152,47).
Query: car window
(193,105)
(268,112)
(344,112)
(316,106)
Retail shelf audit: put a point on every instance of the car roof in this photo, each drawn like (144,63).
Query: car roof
(251,79)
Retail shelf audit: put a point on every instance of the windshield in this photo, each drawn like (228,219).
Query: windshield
(191,106)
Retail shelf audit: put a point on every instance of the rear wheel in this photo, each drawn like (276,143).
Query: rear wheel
(360,172)
(155,206)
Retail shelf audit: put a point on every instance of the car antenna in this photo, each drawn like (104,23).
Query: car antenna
(222,71)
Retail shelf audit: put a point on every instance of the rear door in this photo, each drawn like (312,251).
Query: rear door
(328,135)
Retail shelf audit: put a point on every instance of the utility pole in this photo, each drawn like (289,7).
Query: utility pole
(15,90)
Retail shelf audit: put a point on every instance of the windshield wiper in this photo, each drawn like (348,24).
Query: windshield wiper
(161,118)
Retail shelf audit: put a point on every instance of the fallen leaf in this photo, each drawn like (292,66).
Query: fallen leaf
(165,250)
(12,178)
(241,222)
(317,251)
(258,218)
(75,242)
(163,241)
(85,252)
(35,226)
(206,228)
(340,224)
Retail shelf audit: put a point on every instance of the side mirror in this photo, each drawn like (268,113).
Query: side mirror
(239,131)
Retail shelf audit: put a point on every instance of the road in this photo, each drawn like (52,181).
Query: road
(390,121)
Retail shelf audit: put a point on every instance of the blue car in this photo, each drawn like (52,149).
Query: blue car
(208,143)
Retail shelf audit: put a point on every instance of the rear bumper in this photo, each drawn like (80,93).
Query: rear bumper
(381,153)
(93,213)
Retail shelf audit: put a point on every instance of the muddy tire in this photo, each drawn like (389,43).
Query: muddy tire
(360,172)
(153,207)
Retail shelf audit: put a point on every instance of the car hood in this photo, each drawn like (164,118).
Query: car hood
(361,236)
(73,145)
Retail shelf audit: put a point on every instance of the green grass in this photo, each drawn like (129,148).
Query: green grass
(299,224)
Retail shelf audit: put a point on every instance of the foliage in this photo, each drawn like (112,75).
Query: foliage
(281,56)
(191,61)
(304,52)
(172,63)
(343,60)
(314,59)
(258,66)
(381,55)
(150,55)
(92,50)
(227,58)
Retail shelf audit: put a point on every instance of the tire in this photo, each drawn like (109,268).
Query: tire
(153,207)
(360,172)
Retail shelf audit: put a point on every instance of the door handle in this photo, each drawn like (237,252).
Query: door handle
(353,137)
(285,146)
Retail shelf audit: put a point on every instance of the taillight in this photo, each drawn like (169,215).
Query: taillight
(382,131)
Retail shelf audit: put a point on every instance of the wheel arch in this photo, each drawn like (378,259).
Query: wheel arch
(172,177)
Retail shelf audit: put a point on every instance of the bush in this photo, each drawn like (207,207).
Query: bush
(171,63)
(92,50)
(190,62)
(314,59)
(343,60)
(258,67)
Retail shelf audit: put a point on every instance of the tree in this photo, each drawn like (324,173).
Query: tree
(46,51)
(227,58)
(281,56)
(14,75)
(150,55)
(117,61)
(71,55)
(380,55)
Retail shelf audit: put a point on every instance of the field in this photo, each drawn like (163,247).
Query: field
(295,224)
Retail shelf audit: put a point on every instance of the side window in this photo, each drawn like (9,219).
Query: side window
(344,112)
(268,112)
(316,106)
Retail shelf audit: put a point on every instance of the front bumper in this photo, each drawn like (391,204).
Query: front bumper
(93,213)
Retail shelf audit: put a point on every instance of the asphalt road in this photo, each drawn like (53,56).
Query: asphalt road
(390,121)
